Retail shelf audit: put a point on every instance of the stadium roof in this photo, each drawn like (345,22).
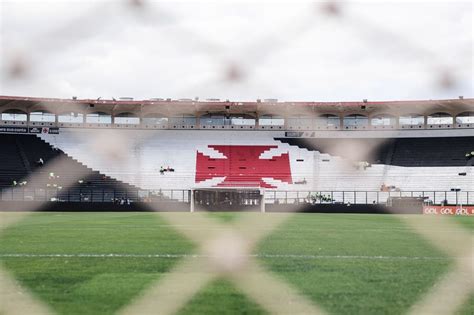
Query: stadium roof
(213,106)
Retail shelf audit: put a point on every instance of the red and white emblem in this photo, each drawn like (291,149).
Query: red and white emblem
(243,167)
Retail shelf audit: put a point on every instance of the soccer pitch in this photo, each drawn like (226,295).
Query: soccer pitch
(347,264)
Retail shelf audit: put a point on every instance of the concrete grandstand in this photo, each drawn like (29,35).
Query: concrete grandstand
(262,154)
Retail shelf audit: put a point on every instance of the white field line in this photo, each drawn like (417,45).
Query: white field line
(156,229)
(292,256)
(198,228)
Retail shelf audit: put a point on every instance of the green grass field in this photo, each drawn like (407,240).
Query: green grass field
(348,264)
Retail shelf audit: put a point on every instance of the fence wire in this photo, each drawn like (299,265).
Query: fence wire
(238,67)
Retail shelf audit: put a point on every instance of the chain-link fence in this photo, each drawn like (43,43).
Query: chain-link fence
(201,47)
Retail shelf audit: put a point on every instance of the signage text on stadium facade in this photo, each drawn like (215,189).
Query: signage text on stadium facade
(35,130)
(448,210)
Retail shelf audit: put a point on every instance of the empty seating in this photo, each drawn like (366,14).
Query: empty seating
(32,148)
(436,152)
(143,153)
(203,159)
(12,166)
(410,152)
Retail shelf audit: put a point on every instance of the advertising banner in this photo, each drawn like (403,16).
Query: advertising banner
(34,130)
(448,210)
(300,134)
(8,129)
(293,134)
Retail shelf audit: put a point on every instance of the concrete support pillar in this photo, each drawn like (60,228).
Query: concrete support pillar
(262,201)
(191,201)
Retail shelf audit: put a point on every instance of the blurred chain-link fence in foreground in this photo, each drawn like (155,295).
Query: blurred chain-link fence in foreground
(198,60)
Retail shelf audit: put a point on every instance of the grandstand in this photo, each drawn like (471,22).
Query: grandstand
(257,154)
(349,161)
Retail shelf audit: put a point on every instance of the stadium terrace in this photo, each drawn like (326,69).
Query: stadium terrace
(87,188)
(264,155)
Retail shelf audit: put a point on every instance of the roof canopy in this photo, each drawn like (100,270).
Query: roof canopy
(271,107)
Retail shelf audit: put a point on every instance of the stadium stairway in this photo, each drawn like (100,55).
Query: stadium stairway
(23,156)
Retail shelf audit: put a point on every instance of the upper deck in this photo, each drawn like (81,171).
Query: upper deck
(221,115)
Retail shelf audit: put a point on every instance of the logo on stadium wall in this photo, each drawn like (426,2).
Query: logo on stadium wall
(448,210)
(243,167)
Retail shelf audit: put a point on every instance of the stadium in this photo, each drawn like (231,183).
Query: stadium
(265,155)
(360,163)
(236,157)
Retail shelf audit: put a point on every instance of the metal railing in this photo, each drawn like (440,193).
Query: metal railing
(367,197)
(92,195)
(271,196)
(289,127)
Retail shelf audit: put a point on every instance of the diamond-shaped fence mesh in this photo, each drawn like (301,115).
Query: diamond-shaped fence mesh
(227,249)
